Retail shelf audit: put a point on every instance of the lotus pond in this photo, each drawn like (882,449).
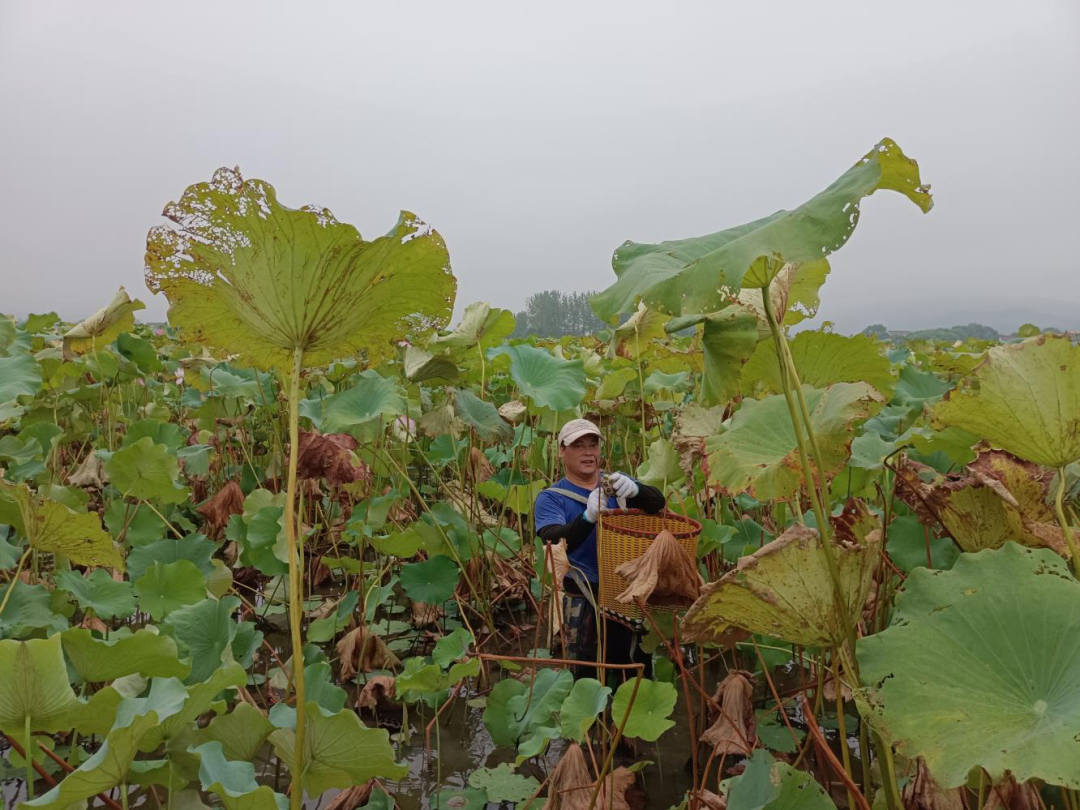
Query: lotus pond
(278,551)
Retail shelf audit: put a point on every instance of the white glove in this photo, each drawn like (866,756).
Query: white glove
(592,508)
(624,485)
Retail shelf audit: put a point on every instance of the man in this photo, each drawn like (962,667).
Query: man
(570,510)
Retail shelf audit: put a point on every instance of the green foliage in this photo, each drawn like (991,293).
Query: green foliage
(431,581)
(770,785)
(650,710)
(552,313)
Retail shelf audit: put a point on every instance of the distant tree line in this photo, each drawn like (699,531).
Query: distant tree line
(953,333)
(553,314)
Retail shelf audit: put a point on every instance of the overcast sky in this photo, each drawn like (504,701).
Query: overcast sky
(536,137)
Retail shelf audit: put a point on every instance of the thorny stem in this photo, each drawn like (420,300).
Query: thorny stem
(296,580)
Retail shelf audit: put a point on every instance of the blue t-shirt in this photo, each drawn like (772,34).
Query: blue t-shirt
(554,509)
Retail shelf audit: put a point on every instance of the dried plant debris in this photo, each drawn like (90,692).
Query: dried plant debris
(360,650)
(330,456)
(733,733)
(663,575)
(229,501)
(571,785)
(376,689)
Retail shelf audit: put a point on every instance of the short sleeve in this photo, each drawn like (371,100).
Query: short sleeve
(547,511)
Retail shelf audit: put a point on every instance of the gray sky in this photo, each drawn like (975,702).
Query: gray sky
(536,137)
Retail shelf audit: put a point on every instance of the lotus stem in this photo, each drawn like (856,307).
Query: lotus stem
(1059,510)
(15,578)
(296,581)
(615,740)
(28,758)
(790,379)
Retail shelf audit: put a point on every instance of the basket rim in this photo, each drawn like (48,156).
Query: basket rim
(663,514)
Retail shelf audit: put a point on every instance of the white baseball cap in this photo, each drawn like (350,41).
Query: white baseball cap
(575,429)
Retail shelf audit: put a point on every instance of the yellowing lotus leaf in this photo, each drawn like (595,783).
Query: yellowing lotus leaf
(1023,398)
(633,339)
(784,589)
(759,453)
(821,359)
(243,273)
(104,326)
(51,526)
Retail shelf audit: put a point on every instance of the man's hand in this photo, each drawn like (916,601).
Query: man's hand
(592,508)
(624,485)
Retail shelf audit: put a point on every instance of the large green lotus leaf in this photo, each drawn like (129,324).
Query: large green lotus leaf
(662,467)
(20,376)
(244,273)
(423,366)
(339,752)
(482,416)
(1024,399)
(452,647)
(139,351)
(99,592)
(8,333)
(759,453)
(145,652)
(703,274)
(915,388)
(234,782)
(241,733)
(728,339)
(770,785)
(35,685)
(651,710)
(431,581)
(51,526)
(170,434)
(371,397)
(548,380)
(206,630)
(104,326)
(193,547)
(146,471)
(613,383)
(784,590)
(201,698)
(586,701)
(28,608)
(164,588)
(111,764)
(633,338)
(482,326)
(821,359)
(981,668)
(510,716)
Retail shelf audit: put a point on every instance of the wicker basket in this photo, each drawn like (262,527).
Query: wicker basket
(624,535)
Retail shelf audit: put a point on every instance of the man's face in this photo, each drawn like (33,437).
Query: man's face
(582,456)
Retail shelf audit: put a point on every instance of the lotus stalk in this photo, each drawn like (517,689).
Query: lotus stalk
(1059,498)
(296,583)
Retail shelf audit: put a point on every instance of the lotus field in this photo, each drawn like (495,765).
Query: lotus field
(279,551)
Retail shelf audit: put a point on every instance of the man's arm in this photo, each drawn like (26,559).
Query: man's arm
(649,499)
(576,532)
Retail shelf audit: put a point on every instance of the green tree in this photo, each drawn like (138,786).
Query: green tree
(551,313)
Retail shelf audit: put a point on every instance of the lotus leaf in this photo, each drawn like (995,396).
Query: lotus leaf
(144,652)
(728,340)
(164,588)
(995,642)
(703,274)
(547,380)
(423,366)
(482,416)
(99,592)
(459,799)
(1024,399)
(244,273)
(241,732)
(586,701)
(20,376)
(633,338)
(432,581)
(784,590)
(614,383)
(821,359)
(481,326)
(194,547)
(234,782)
(759,453)
(338,752)
(51,526)
(206,631)
(452,647)
(35,685)
(104,326)
(503,785)
(139,351)
(770,785)
(371,397)
(662,467)
(199,699)
(915,388)
(26,608)
(515,710)
(650,710)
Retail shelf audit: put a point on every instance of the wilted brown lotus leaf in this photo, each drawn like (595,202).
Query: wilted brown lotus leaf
(90,474)
(424,615)
(504,580)
(708,799)
(351,798)
(1008,795)
(663,575)
(229,501)
(360,650)
(329,456)
(513,411)
(571,785)
(997,498)
(480,468)
(557,563)
(734,729)
(378,688)
(921,792)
